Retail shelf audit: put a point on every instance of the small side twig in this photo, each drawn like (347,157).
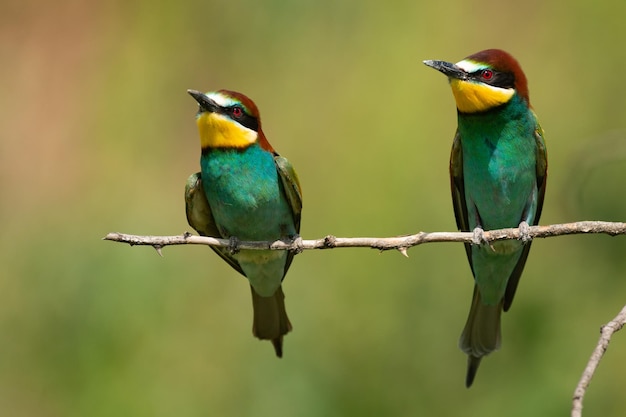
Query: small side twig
(605,337)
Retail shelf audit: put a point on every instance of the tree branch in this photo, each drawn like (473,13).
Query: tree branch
(606,332)
(400,243)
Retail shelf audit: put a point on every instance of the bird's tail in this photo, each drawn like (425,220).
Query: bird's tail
(481,334)
(270,321)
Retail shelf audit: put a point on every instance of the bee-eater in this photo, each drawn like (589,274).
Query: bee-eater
(498,169)
(245,191)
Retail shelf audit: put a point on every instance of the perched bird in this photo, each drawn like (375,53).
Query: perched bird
(245,191)
(498,169)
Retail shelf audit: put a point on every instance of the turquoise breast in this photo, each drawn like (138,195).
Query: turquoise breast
(245,194)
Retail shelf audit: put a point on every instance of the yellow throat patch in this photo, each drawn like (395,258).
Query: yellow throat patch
(473,97)
(218,131)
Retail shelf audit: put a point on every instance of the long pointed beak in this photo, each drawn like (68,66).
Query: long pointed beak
(448,69)
(206,104)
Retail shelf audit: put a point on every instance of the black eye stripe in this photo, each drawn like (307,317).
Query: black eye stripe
(499,79)
(245,119)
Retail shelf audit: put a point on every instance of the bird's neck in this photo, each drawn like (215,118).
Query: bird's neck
(238,164)
(512,115)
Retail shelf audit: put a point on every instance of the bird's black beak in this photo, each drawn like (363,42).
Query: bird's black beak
(206,104)
(447,68)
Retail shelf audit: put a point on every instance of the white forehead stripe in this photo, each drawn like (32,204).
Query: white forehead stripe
(221,100)
(470,66)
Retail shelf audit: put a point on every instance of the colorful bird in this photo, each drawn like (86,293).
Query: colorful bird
(245,191)
(498,169)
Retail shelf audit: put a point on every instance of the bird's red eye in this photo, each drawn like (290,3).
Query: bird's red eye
(486,74)
(237,111)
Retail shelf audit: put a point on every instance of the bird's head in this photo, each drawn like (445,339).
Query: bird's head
(228,119)
(484,80)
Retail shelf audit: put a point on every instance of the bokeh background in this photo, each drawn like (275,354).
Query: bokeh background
(98,135)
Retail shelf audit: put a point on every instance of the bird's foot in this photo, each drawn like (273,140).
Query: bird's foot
(296,244)
(524,232)
(233,245)
(478,237)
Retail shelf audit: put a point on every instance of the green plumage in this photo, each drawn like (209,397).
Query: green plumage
(250,194)
(498,169)
(498,173)
(248,200)
(245,191)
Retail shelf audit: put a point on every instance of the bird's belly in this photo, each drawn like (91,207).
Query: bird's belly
(492,265)
(247,201)
(498,193)
(263,268)
(249,218)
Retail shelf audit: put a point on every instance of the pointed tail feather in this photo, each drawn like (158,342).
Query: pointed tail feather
(270,321)
(472,367)
(481,334)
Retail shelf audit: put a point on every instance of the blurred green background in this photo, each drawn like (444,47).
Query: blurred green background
(98,135)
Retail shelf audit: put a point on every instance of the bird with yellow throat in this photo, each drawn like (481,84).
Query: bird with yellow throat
(245,191)
(498,171)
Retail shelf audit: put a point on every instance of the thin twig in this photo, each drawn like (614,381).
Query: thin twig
(605,337)
(400,243)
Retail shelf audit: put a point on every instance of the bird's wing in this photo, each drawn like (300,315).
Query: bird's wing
(542,170)
(457,184)
(542,175)
(199,217)
(291,185)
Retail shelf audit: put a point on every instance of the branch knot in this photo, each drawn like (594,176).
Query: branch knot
(330,242)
